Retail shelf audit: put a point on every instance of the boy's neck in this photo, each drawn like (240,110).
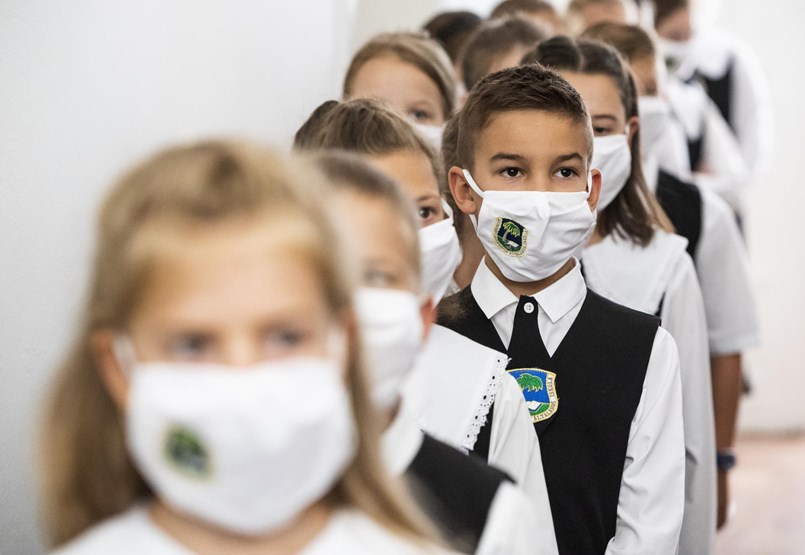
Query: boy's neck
(530,288)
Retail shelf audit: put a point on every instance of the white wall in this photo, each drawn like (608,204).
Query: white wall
(85,88)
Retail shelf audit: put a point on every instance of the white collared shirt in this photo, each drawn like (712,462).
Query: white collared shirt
(651,501)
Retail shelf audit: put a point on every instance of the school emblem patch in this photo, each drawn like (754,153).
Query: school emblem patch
(185,451)
(539,390)
(511,237)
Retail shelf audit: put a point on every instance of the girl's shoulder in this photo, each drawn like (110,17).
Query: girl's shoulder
(129,533)
(352,531)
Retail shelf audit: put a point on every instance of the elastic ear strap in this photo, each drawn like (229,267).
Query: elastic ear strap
(472,183)
(589,182)
(124,352)
(446,208)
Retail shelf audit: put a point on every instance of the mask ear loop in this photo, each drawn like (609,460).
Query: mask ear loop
(474,186)
(123,349)
(589,182)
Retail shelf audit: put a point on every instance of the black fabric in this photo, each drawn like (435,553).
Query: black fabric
(683,203)
(695,151)
(719,90)
(600,367)
(455,491)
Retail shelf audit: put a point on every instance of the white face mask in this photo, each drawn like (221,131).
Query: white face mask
(613,157)
(390,322)
(530,235)
(655,117)
(245,449)
(431,133)
(440,254)
(676,53)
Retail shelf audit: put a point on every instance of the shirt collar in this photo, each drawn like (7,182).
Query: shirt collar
(401,442)
(555,300)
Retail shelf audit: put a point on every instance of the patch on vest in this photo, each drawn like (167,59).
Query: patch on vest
(185,451)
(511,237)
(539,390)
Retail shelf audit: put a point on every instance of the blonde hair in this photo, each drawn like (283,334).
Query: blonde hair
(87,472)
(416,49)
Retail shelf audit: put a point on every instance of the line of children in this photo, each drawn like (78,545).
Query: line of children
(602,381)
(214,400)
(634,260)
(475,506)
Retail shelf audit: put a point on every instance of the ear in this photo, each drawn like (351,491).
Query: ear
(466,199)
(634,126)
(595,189)
(113,375)
(428,315)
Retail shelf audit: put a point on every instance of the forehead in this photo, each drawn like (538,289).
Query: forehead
(394,80)
(412,169)
(534,134)
(599,92)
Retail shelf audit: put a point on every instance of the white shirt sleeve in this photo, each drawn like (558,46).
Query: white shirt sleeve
(723,269)
(683,316)
(651,500)
(724,170)
(514,448)
(511,526)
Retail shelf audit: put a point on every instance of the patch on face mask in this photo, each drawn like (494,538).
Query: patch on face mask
(511,237)
(539,390)
(185,452)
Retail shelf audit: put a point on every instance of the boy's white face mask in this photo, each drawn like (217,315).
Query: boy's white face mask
(440,255)
(530,235)
(611,155)
(245,449)
(390,322)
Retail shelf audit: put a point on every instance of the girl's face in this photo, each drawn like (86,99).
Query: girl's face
(603,101)
(413,171)
(676,26)
(403,86)
(233,294)
(377,234)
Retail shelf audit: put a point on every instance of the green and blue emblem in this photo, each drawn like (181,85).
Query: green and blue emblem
(185,452)
(539,390)
(510,237)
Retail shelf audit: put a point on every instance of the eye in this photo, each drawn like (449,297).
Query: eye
(426,212)
(283,338)
(566,173)
(601,131)
(374,277)
(420,115)
(512,172)
(189,346)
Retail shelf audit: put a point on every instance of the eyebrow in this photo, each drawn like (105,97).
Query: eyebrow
(567,157)
(508,156)
(605,116)
(427,196)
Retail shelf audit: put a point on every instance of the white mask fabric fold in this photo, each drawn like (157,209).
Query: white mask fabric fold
(245,449)
(391,329)
(611,155)
(530,235)
(655,117)
(440,255)
(431,133)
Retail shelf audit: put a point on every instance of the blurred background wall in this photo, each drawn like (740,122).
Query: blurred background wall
(87,87)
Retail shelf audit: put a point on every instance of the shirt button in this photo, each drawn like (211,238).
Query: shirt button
(528,307)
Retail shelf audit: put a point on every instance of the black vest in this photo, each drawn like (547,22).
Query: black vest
(719,90)
(683,203)
(600,367)
(454,490)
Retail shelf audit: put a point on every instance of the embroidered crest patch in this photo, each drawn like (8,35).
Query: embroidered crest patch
(185,452)
(539,390)
(511,237)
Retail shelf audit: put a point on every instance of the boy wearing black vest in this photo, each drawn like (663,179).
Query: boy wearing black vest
(601,381)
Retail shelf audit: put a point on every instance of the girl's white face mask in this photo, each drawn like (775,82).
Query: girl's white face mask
(613,157)
(245,449)
(530,235)
(440,254)
(431,133)
(390,322)
(655,118)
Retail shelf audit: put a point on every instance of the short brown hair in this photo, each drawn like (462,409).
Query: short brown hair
(635,213)
(526,87)
(664,8)
(514,7)
(416,49)
(492,40)
(364,126)
(451,30)
(632,41)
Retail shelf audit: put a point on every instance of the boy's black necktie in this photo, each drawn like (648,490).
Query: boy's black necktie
(526,349)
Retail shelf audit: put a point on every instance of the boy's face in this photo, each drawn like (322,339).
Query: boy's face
(528,150)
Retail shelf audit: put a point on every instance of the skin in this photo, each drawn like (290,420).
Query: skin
(382,255)
(726,370)
(402,85)
(509,156)
(413,171)
(511,58)
(224,297)
(677,26)
(600,95)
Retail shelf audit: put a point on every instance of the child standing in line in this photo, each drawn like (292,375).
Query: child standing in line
(214,401)
(601,380)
